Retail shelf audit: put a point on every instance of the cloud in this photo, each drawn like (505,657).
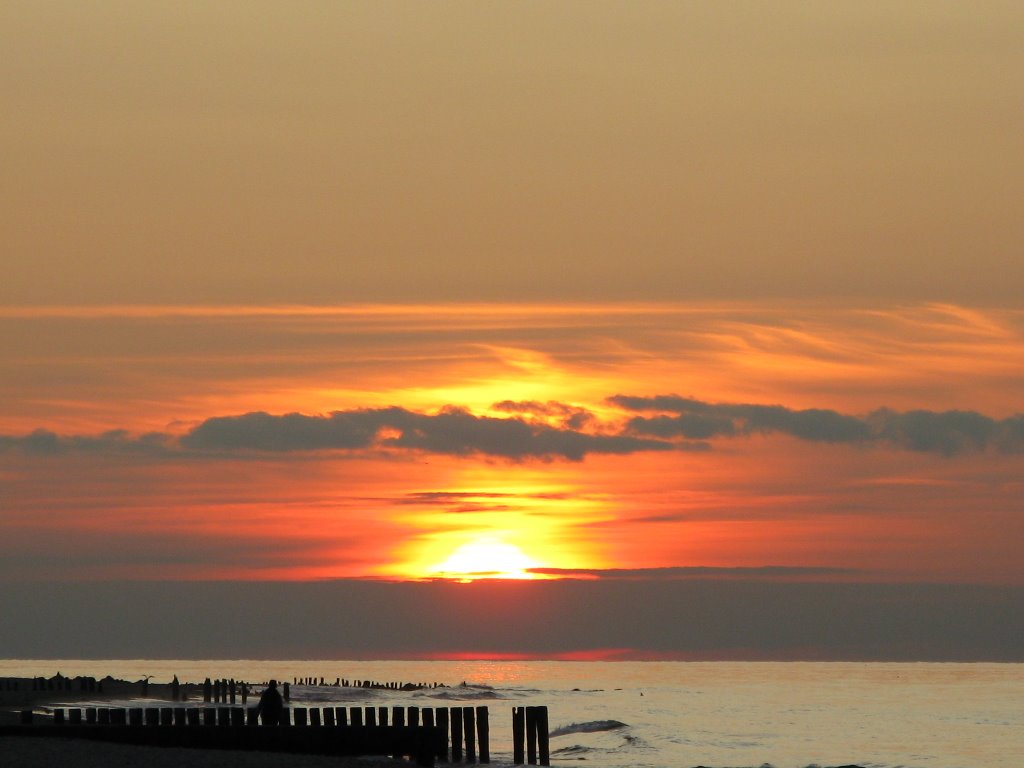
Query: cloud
(459,502)
(570,416)
(947,432)
(699,619)
(43,442)
(695,572)
(677,424)
(452,431)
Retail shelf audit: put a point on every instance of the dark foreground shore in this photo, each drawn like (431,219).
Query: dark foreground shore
(42,752)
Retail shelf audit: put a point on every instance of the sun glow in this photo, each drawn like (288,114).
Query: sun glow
(486,558)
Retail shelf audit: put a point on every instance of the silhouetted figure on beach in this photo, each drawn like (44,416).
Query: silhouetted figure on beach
(271,706)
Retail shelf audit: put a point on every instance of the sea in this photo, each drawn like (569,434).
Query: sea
(672,714)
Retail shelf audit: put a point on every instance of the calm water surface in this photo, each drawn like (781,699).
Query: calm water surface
(676,714)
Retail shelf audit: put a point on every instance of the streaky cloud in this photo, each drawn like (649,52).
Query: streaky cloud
(696,572)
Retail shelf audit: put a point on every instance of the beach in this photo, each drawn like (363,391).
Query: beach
(634,714)
(42,752)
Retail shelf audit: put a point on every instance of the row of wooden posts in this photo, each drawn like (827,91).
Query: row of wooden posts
(218,691)
(467,727)
(341,682)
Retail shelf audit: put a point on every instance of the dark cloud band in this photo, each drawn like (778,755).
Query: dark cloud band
(545,431)
(945,432)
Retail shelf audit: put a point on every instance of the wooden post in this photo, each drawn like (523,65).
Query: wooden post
(428,716)
(382,715)
(357,716)
(300,715)
(58,717)
(543,736)
(442,723)
(519,735)
(287,692)
(314,716)
(398,715)
(232,690)
(166,716)
(252,716)
(209,716)
(180,713)
(207,691)
(341,716)
(531,735)
(152,716)
(414,715)
(329,716)
(238,716)
(371,715)
(223,715)
(469,726)
(103,716)
(75,716)
(135,716)
(483,731)
(90,715)
(192,716)
(456,713)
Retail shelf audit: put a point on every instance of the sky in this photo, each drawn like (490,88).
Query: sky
(628,304)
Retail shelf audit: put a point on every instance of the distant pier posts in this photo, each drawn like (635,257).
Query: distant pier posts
(530,725)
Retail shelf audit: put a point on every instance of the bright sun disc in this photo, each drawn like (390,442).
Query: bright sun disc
(486,558)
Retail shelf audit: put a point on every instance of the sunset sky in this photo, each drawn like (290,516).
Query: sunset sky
(657,293)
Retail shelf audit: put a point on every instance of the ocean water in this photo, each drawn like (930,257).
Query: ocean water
(677,714)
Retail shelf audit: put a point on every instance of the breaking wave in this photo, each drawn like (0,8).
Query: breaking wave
(462,694)
(592,726)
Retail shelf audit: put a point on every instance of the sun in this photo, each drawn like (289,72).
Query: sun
(486,558)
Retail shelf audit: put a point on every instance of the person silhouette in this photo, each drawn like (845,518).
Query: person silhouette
(271,706)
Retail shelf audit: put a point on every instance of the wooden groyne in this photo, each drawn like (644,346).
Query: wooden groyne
(342,682)
(423,734)
(234,728)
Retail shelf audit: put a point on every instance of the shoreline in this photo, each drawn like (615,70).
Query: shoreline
(29,693)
